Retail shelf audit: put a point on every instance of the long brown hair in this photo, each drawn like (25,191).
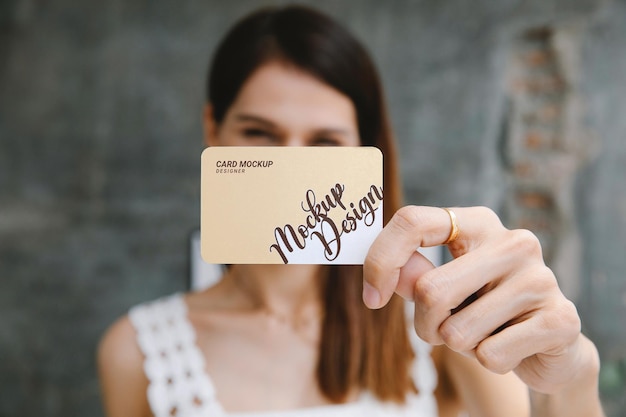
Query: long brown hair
(359,347)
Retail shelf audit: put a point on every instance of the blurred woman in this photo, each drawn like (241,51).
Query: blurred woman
(334,340)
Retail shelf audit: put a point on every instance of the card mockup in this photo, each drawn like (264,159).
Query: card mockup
(290,205)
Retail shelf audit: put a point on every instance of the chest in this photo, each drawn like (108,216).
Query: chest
(271,363)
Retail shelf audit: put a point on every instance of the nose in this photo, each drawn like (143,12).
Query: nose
(294,141)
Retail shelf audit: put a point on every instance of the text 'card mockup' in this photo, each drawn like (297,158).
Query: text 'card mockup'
(296,205)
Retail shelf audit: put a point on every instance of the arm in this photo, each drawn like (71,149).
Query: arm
(580,396)
(495,301)
(483,393)
(120,368)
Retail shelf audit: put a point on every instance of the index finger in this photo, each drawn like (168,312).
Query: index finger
(411,227)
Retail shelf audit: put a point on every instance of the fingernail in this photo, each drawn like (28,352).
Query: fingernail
(371,296)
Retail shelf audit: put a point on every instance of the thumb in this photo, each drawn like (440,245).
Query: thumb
(417,265)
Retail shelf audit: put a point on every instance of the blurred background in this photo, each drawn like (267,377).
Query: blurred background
(517,105)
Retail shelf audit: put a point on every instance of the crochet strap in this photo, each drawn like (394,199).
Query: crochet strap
(174,365)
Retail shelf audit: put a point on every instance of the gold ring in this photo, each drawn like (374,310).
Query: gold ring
(454,233)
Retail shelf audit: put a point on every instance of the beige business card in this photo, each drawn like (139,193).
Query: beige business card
(297,205)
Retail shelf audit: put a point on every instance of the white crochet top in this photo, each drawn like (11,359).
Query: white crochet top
(179,385)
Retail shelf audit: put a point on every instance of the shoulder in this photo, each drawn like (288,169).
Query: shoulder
(118,345)
(122,340)
(120,369)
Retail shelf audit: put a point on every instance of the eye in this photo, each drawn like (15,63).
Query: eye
(259,135)
(326,141)
(255,133)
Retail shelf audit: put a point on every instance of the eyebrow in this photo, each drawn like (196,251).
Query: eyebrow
(252,118)
(244,117)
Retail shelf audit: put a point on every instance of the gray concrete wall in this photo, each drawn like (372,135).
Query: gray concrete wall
(100,140)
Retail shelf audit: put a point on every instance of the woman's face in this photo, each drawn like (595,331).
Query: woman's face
(280,105)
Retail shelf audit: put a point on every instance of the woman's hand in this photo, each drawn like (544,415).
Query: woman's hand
(496,301)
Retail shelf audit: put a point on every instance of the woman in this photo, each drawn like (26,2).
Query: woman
(316,340)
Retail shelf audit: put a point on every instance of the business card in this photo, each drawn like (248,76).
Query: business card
(290,205)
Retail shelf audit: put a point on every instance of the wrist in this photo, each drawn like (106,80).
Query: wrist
(579,396)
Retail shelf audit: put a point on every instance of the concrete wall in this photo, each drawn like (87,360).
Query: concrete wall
(100,140)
